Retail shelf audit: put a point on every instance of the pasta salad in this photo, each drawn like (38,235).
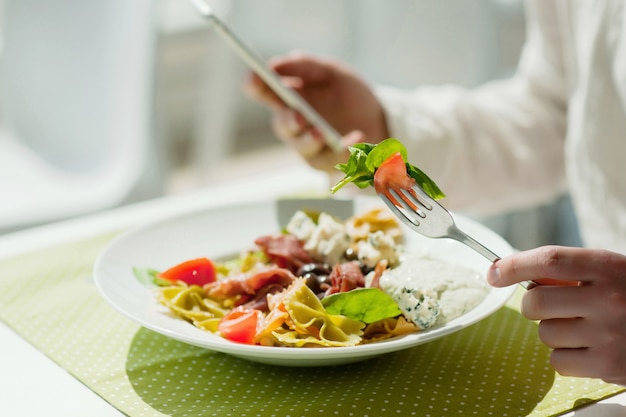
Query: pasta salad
(315,284)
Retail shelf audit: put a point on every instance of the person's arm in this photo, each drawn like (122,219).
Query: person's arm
(500,145)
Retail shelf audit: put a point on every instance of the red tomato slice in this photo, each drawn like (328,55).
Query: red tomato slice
(240,325)
(392,174)
(198,271)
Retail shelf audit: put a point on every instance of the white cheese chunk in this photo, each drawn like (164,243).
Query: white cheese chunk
(431,291)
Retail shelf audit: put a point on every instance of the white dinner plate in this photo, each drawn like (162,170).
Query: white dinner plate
(224,231)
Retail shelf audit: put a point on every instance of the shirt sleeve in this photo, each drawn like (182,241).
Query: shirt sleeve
(498,146)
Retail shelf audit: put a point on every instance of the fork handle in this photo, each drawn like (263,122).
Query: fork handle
(460,236)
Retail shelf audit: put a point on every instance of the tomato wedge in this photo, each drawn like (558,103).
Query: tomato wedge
(240,325)
(198,271)
(392,174)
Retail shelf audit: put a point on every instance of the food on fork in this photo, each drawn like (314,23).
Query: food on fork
(382,165)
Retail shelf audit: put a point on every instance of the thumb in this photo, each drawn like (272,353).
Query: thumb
(353,137)
(494,276)
(549,265)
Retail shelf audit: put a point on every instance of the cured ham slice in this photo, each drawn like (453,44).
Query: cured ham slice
(345,277)
(285,251)
(251,285)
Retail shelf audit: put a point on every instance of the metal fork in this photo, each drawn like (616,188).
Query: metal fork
(421,213)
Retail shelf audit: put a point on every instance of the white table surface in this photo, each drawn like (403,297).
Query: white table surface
(33,385)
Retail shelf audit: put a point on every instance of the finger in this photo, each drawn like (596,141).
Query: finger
(308,145)
(573,362)
(350,139)
(555,262)
(288,124)
(300,121)
(291,128)
(255,88)
(327,154)
(551,302)
(307,68)
(567,333)
(607,364)
(306,139)
(353,137)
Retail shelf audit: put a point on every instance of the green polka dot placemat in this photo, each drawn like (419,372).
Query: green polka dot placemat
(496,367)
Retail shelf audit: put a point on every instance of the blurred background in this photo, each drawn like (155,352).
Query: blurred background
(105,103)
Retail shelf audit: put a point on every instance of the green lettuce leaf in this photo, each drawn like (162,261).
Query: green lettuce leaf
(149,277)
(368,305)
(365,158)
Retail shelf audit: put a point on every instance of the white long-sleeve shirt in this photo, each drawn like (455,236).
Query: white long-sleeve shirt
(558,124)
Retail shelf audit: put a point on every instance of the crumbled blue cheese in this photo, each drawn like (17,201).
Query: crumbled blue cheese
(431,291)
(328,239)
(420,307)
(377,246)
(301,226)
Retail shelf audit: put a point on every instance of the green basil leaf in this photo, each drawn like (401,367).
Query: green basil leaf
(424,181)
(368,305)
(381,152)
(149,277)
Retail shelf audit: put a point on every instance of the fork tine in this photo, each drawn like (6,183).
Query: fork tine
(423,198)
(408,202)
(400,213)
(389,198)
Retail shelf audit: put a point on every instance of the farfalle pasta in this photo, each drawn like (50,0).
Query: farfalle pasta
(191,303)
(308,323)
(386,328)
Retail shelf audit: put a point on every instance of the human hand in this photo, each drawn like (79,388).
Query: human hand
(584,323)
(338,94)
